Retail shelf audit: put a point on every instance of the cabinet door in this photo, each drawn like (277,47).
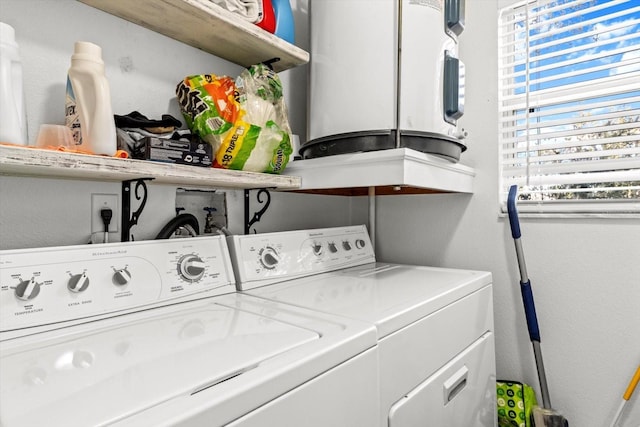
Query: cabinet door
(344,396)
(460,394)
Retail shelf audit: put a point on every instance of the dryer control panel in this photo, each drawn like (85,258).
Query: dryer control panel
(48,286)
(261,259)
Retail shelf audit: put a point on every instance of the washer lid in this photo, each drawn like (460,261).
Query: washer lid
(391,296)
(98,373)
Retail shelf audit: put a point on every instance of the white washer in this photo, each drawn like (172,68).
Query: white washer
(434,325)
(154,334)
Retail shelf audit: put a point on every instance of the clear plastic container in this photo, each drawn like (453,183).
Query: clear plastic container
(88,105)
(13,118)
(53,137)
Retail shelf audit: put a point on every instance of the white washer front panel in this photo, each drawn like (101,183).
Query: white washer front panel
(54,285)
(344,396)
(241,351)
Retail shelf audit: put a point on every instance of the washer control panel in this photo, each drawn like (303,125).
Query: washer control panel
(59,284)
(260,259)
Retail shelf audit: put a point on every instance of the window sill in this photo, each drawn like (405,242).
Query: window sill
(566,214)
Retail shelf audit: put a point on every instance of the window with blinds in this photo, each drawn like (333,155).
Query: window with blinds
(569,96)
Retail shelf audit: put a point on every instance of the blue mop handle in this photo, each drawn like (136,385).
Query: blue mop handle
(530,311)
(513,212)
(525,283)
(530,308)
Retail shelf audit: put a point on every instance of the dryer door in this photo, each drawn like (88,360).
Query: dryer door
(460,394)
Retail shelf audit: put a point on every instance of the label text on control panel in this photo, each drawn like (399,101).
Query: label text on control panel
(35,310)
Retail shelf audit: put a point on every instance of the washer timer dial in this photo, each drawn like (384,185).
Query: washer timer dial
(191,268)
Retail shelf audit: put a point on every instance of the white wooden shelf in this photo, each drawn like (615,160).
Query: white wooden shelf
(396,171)
(22,161)
(207,26)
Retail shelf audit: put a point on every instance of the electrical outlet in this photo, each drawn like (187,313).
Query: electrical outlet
(99,202)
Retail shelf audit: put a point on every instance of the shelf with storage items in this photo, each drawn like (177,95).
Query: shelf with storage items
(207,26)
(395,171)
(21,161)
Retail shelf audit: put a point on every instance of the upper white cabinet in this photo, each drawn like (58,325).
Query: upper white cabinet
(207,26)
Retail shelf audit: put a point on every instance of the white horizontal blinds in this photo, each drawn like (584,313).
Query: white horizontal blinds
(569,81)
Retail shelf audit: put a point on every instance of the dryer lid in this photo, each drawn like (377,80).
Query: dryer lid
(390,296)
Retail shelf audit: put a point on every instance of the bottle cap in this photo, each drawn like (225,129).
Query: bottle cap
(87,51)
(7,34)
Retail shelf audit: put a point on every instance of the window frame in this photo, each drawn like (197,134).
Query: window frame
(612,207)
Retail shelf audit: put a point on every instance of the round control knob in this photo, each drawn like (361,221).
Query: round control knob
(360,243)
(317,249)
(346,245)
(78,283)
(191,268)
(27,290)
(269,258)
(121,277)
(333,248)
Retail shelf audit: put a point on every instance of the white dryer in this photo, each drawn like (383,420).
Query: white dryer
(434,325)
(154,334)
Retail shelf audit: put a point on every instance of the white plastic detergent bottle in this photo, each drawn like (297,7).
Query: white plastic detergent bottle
(88,104)
(13,118)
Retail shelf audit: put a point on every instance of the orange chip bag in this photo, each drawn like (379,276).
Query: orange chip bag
(209,105)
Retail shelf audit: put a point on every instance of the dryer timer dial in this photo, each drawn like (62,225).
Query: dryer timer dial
(269,258)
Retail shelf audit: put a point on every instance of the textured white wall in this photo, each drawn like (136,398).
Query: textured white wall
(585,273)
(143,69)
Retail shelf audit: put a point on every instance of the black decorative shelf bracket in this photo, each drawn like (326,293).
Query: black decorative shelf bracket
(248,223)
(130,219)
(269,63)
